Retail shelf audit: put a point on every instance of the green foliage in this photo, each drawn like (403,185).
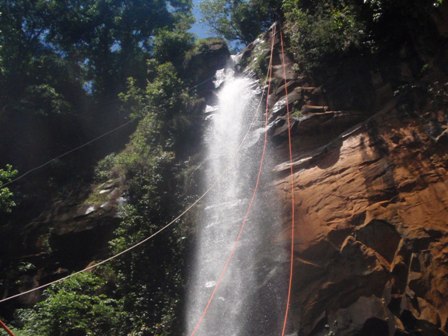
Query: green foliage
(203,45)
(133,99)
(43,99)
(322,32)
(296,114)
(104,168)
(147,278)
(62,61)
(77,306)
(62,64)
(382,7)
(6,196)
(172,46)
(111,38)
(144,161)
(165,95)
(239,20)
(33,71)
(423,95)
(217,14)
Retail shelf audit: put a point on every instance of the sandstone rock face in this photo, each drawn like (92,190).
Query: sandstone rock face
(371,212)
(371,231)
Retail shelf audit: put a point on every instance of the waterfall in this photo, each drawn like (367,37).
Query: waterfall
(249,294)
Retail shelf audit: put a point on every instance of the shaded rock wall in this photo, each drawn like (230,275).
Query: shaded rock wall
(73,232)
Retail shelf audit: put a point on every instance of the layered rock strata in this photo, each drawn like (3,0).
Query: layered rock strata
(371,211)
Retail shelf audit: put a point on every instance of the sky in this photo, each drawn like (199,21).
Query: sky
(199,29)
(202,31)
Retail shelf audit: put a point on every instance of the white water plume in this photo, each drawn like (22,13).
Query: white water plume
(232,168)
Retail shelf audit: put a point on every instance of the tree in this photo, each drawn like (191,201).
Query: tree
(75,307)
(32,66)
(65,59)
(172,46)
(150,278)
(165,96)
(322,31)
(63,62)
(241,20)
(6,196)
(113,38)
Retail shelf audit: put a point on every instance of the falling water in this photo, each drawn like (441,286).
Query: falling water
(248,296)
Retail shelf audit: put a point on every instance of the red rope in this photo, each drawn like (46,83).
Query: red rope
(291,265)
(5,327)
(249,208)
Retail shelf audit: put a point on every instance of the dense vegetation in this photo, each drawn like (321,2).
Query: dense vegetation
(70,70)
(324,30)
(62,64)
(139,293)
(240,20)
(77,306)
(344,44)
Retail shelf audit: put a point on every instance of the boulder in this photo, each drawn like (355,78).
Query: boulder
(208,56)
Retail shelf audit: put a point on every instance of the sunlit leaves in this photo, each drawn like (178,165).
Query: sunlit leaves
(322,30)
(77,306)
(239,20)
(6,196)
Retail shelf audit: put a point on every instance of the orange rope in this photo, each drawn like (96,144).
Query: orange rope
(291,266)
(246,215)
(5,327)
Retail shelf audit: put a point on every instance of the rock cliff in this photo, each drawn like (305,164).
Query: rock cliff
(371,212)
(371,242)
